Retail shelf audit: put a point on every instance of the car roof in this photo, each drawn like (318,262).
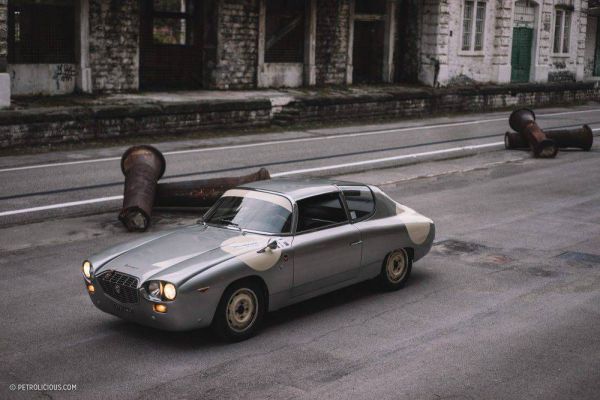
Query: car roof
(299,188)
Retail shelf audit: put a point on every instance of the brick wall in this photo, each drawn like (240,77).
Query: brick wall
(237,45)
(114,45)
(332,41)
(3,34)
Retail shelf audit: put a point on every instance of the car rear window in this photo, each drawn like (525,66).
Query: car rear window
(320,211)
(359,200)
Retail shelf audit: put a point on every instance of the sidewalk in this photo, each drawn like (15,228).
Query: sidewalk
(45,121)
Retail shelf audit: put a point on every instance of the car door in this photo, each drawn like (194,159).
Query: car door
(326,248)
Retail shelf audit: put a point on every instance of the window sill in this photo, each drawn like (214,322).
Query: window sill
(478,53)
(560,55)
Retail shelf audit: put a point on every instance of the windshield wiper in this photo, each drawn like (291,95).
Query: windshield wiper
(229,223)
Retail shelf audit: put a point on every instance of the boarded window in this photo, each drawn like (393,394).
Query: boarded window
(41,33)
(284,33)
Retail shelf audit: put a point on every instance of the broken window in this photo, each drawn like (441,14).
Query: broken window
(284,31)
(562,30)
(473,25)
(41,32)
(171,22)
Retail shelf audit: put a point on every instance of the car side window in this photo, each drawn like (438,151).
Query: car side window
(359,200)
(320,211)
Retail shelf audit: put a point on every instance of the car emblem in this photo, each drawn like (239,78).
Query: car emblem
(117,289)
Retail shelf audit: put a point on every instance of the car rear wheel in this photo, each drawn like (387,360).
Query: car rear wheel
(240,311)
(395,270)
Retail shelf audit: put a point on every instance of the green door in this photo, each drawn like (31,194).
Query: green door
(521,54)
(597,58)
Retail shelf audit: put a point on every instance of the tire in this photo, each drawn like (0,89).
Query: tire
(240,312)
(395,270)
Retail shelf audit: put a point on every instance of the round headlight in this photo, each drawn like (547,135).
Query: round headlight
(87,269)
(154,289)
(169,291)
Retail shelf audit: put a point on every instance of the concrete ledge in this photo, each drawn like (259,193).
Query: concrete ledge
(105,119)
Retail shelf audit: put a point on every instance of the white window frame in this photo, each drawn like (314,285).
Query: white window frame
(565,18)
(472,29)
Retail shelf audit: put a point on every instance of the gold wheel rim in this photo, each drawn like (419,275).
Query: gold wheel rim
(242,310)
(396,266)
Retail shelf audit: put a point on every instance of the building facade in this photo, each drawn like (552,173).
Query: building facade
(94,46)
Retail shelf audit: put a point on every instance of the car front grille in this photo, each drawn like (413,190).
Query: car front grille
(120,287)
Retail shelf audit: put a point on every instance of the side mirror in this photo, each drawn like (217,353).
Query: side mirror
(271,246)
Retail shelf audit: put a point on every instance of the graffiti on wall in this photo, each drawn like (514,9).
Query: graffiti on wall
(63,73)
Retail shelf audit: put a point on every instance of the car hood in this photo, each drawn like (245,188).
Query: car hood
(180,254)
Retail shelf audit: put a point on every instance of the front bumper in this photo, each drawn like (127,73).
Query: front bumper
(188,311)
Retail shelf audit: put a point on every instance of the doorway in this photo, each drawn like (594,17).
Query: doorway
(521,54)
(171,44)
(368,51)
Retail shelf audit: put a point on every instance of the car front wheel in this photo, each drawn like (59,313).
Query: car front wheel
(240,312)
(395,270)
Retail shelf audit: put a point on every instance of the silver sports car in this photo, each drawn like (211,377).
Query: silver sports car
(261,247)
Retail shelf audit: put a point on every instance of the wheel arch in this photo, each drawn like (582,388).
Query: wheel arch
(255,279)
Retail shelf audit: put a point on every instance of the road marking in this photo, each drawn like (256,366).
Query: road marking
(386,159)
(61,205)
(285,141)
(286,173)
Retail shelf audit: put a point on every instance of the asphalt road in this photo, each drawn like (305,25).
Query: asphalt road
(506,306)
(34,188)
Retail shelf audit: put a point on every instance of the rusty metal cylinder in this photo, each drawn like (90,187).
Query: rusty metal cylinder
(523,121)
(578,138)
(201,193)
(142,166)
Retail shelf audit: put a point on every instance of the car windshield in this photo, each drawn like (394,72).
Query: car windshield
(253,211)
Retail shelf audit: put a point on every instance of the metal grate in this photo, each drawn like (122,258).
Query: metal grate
(120,287)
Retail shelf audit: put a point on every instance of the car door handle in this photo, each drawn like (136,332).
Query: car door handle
(355,243)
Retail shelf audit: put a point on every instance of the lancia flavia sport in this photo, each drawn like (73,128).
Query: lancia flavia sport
(261,247)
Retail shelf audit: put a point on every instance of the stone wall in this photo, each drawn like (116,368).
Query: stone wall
(77,124)
(493,64)
(35,127)
(114,45)
(394,105)
(407,41)
(332,41)
(434,31)
(590,45)
(3,34)
(237,45)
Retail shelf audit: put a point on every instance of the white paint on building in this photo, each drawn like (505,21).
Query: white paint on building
(4,90)
(278,75)
(444,60)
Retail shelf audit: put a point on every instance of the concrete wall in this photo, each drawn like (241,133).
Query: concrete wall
(42,79)
(114,45)
(4,77)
